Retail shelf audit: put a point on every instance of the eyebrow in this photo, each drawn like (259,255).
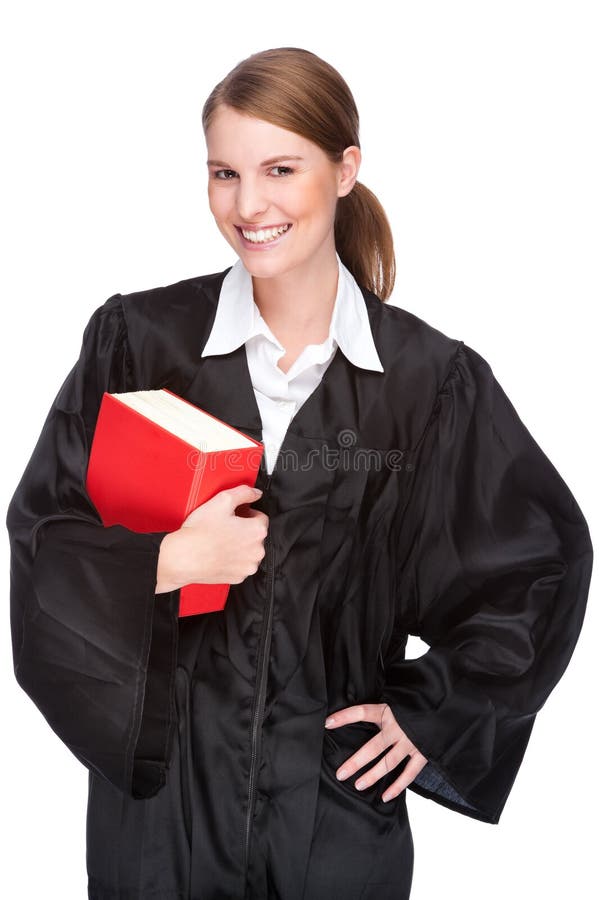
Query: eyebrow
(265,162)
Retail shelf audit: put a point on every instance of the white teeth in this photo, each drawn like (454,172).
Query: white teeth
(264,235)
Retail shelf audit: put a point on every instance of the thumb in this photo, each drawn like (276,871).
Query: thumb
(243,493)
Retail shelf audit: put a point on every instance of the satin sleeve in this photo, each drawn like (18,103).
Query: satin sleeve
(495,561)
(93,646)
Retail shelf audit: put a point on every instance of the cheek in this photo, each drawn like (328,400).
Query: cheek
(314,201)
(218,202)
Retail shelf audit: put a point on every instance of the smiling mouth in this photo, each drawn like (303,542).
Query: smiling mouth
(263,235)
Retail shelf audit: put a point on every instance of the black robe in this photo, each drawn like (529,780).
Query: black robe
(413,501)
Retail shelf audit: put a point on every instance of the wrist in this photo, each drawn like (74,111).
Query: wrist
(168,574)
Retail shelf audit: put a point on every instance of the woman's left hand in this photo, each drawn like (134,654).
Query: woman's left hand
(390,735)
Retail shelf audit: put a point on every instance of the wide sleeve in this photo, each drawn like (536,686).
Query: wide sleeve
(93,646)
(494,568)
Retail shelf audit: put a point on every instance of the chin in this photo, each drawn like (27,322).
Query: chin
(269,260)
(264,268)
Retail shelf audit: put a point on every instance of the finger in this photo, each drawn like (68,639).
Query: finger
(364,712)
(254,513)
(398,752)
(369,751)
(415,765)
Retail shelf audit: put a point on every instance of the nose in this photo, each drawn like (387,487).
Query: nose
(251,203)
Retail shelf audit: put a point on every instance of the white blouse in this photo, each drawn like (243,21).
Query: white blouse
(280,394)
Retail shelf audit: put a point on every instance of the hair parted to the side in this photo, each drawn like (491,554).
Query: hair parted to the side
(297,90)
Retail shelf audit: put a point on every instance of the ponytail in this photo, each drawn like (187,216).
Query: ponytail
(364,240)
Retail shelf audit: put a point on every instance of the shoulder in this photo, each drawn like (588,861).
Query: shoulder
(182,308)
(200,291)
(414,350)
(427,369)
(195,291)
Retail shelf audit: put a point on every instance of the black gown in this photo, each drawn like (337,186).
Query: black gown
(412,501)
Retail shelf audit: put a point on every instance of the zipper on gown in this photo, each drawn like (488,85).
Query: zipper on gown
(260,695)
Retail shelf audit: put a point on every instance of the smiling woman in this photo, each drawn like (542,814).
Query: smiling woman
(275,222)
(262,752)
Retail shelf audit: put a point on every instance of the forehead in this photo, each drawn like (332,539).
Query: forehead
(231,133)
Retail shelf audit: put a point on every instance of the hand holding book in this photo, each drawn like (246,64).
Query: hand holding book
(214,544)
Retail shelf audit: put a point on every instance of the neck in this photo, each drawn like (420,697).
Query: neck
(298,304)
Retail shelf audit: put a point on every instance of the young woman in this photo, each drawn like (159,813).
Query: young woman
(401,494)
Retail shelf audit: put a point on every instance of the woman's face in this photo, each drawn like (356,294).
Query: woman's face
(261,176)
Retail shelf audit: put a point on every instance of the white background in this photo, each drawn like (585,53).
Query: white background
(479,136)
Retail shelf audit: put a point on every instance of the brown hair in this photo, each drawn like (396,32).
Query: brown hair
(297,90)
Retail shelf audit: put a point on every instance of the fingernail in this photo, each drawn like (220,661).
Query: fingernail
(330,721)
(359,785)
(343,773)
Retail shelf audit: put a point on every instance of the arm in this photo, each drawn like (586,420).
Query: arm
(93,645)
(495,565)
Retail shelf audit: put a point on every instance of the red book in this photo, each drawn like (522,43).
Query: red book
(154,458)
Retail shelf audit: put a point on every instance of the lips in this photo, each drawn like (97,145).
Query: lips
(261,227)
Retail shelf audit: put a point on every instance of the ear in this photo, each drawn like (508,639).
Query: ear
(348,170)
